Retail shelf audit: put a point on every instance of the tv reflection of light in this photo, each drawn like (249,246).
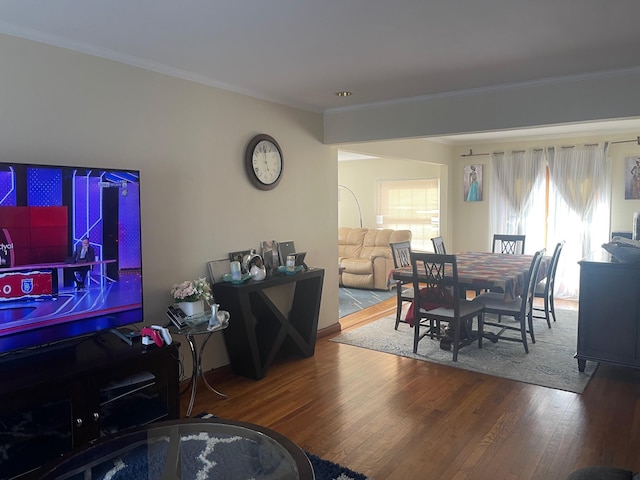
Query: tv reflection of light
(86,210)
(8,186)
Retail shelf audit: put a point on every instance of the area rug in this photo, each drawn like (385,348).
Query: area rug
(549,363)
(354,299)
(322,469)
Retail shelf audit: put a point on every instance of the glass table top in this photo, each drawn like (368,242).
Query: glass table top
(187,449)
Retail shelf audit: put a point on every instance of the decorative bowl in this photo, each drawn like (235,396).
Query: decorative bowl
(227,278)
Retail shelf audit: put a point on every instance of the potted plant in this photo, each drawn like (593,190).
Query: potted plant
(190,295)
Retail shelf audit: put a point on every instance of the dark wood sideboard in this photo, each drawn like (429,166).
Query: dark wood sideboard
(609,311)
(258,331)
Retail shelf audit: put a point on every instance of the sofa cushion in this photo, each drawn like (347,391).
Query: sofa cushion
(359,266)
(350,242)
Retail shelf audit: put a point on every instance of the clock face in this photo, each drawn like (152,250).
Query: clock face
(263,161)
(267,163)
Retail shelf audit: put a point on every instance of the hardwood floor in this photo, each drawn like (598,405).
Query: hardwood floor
(391,417)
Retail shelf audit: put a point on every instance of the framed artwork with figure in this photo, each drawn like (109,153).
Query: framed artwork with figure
(473,183)
(632,178)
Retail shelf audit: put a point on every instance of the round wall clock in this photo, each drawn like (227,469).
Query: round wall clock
(263,161)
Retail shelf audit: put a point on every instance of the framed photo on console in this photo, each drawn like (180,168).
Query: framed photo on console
(239,255)
(269,251)
(284,249)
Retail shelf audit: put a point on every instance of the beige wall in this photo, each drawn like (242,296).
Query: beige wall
(188,141)
(397,160)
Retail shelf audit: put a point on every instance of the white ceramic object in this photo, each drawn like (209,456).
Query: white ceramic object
(258,273)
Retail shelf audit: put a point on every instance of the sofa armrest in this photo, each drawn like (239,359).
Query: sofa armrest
(382,267)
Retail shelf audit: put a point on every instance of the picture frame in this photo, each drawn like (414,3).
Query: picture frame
(285,249)
(632,178)
(217,269)
(239,255)
(269,251)
(472,183)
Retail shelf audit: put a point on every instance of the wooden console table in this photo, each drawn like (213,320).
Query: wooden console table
(609,311)
(258,330)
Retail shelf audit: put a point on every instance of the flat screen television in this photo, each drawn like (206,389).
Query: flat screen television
(48,294)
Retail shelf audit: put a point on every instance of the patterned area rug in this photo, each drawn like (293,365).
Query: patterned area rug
(354,299)
(322,469)
(549,363)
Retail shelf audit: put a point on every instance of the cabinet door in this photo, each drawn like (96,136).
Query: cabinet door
(36,427)
(608,314)
(133,395)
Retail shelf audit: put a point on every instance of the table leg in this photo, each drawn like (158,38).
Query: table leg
(194,373)
(196,357)
(204,379)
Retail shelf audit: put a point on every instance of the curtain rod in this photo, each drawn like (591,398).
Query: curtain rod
(471,154)
(636,140)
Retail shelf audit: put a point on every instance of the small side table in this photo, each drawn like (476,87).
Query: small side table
(190,333)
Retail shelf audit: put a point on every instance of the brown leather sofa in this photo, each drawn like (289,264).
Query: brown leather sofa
(364,256)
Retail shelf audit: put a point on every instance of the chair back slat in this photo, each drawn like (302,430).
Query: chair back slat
(530,283)
(508,244)
(438,245)
(551,276)
(401,253)
(436,277)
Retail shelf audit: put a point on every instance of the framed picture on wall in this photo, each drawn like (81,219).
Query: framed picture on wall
(632,178)
(473,183)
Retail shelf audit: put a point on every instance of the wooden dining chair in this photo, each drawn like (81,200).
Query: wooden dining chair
(520,309)
(438,245)
(401,252)
(435,277)
(509,244)
(545,287)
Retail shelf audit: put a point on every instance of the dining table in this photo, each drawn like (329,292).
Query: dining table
(498,272)
(489,271)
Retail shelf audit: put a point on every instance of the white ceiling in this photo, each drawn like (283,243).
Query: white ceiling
(299,52)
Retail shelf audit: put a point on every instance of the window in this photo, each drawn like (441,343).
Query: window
(410,205)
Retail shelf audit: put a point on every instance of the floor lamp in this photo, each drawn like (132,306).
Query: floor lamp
(357,203)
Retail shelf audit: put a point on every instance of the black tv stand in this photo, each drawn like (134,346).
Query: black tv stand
(79,391)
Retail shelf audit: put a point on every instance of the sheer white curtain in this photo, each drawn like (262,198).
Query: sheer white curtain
(579,208)
(516,189)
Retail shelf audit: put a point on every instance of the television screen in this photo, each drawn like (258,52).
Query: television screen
(70,252)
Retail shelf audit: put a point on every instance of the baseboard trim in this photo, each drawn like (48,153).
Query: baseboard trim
(330,330)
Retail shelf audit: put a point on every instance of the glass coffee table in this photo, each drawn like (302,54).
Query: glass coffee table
(187,449)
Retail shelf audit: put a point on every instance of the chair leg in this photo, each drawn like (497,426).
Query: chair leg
(546,310)
(530,323)
(480,329)
(398,309)
(456,340)
(523,333)
(416,334)
(553,307)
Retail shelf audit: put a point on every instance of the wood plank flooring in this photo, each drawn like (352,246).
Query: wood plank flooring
(397,418)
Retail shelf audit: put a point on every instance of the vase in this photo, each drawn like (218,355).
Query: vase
(191,308)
